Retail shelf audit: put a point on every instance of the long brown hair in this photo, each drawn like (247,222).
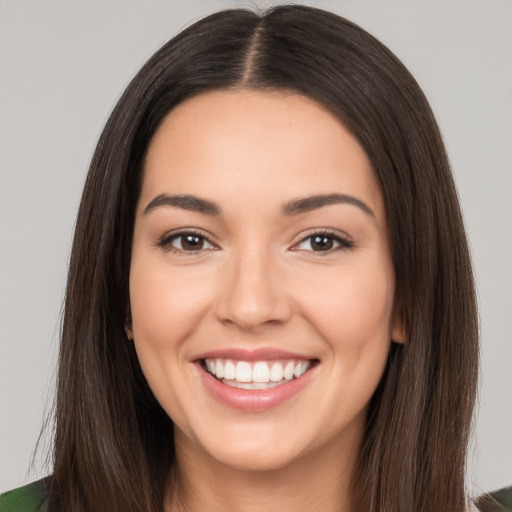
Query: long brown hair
(113,446)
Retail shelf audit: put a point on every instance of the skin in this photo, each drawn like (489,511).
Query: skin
(258,282)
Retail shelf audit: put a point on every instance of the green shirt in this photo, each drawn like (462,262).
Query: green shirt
(29,498)
(499,501)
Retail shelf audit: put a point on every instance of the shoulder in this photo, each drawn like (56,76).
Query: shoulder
(29,498)
(498,501)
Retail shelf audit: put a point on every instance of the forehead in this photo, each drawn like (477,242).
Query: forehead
(262,145)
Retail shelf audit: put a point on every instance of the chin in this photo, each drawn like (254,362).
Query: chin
(255,459)
(242,449)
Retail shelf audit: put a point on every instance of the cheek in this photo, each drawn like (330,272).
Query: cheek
(166,306)
(352,309)
(354,320)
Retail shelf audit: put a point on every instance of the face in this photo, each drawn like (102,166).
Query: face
(261,282)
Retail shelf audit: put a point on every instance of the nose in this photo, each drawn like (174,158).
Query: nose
(253,292)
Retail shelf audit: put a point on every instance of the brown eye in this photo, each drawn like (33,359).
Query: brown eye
(191,242)
(322,243)
(186,242)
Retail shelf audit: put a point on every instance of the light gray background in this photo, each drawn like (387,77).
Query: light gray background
(63,64)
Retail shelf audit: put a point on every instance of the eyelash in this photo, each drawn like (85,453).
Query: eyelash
(166,241)
(343,243)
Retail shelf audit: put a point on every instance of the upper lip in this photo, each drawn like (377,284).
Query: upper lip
(260,354)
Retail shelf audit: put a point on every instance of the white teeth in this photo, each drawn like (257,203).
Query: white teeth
(219,370)
(243,372)
(260,372)
(258,375)
(288,371)
(301,368)
(276,372)
(229,370)
(250,385)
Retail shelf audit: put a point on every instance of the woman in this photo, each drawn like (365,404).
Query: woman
(270,301)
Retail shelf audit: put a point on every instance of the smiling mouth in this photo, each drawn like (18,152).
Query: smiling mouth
(257,374)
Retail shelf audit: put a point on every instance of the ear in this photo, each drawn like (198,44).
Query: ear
(398,334)
(128,330)
(128,326)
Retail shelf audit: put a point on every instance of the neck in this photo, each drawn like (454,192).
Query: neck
(317,482)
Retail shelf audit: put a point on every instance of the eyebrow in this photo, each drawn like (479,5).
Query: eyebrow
(295,207)
(307,204)
(186,202)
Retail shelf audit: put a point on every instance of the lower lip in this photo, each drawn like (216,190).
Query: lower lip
(253,399)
